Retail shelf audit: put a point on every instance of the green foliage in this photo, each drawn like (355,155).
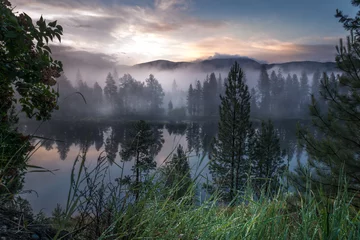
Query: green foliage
(264,90)
(155,94)
(191,101)
(27,74)
(110,91)
(177,174)
(228,162)
(334,148)
(142,145)
(156,216)
(267,159)
(26,64)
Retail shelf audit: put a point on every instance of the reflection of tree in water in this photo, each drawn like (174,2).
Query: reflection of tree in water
(62,135)
(63,149)
(159,139)
(111,146)
(176,128)
(208,132)
(193,137)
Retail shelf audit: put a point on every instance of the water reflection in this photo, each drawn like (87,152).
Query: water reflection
(61,142)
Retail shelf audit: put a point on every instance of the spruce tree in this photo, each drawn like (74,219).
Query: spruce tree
(264,91)
(267,159)
(170,106)
(334,150)
(304,93)
(110,91)
(177,174)
(191,100)
(155,95)
(198,98)
(228,159)
(141,147)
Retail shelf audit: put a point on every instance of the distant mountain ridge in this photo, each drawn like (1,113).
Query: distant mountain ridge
(246,63)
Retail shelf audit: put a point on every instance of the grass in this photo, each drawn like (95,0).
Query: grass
(156,215)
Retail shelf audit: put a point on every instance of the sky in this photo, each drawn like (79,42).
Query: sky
(127,32)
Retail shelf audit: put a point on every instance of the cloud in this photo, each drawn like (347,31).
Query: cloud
(172,4)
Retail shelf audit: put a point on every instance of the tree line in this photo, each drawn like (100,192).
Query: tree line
(275,96)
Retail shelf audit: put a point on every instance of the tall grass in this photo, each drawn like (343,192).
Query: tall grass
(109,211)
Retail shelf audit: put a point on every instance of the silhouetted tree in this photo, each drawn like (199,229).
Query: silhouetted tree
(304,93)
(228,162)
(267,159)
(177,174)
(155,94)
(334,153)
(198,98)
(191,101)
(170,106)
(110,91)
(140,147)
(264,91)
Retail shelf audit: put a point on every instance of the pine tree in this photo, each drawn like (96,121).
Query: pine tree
(209,95)
(253,103)
(334,150)
(110,91)
(304,93)
(296,97)
(198,98)
(170,106)
(191,100)
(273,93)
(280,92)
(288,97)
(177,174)
(228,162)
(97,96)
(264,91)
(315,84)
(140,148)
(155,94)
(267,159)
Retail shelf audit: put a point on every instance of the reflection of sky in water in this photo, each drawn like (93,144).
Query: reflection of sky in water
(53,188)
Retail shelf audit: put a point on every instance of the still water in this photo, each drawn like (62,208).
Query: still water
(61,142)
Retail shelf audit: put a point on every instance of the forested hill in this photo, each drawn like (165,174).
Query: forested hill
(246,63)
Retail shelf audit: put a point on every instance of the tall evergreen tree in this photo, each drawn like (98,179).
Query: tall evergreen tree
(296,97)
(191,101)
(273,92)
(139,147)
(155,94)
(334,151)
(209,95)
(177,174)
(170,106)
(264,91)
(198,98)
(110,91)
(315,86)
(253,103)
(228,160)
(97,96)
(280,93)
(304,93)
(267,159)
